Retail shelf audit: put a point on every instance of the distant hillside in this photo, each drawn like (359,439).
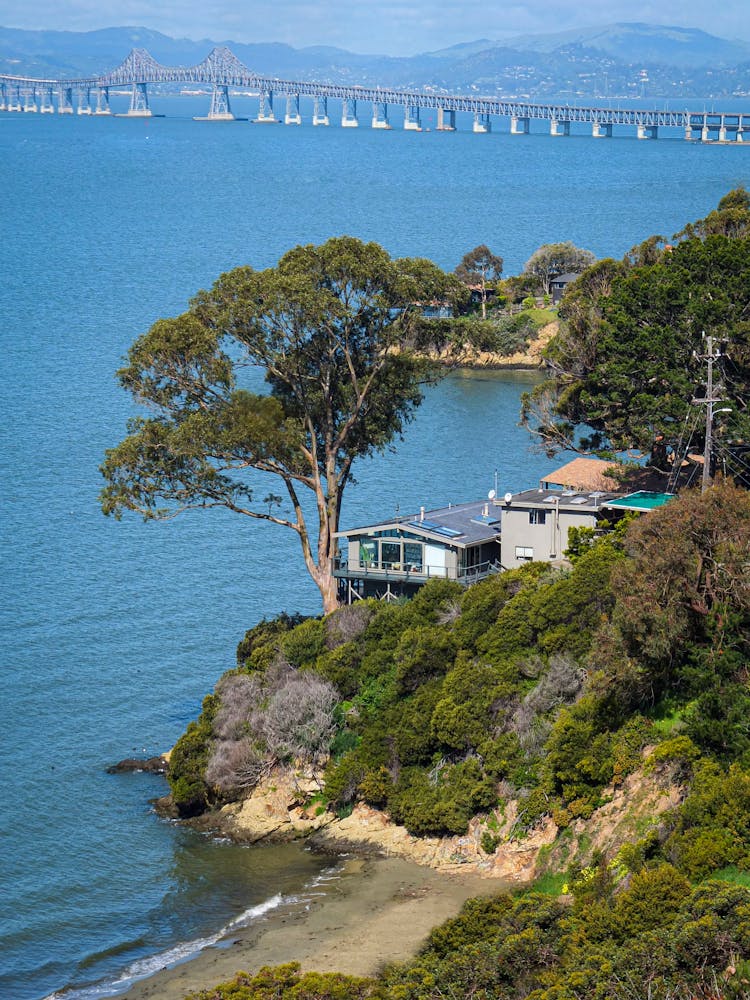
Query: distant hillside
(616,61)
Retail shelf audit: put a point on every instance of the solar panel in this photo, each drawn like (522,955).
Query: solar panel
(448,532)
(437,529)
(485,519)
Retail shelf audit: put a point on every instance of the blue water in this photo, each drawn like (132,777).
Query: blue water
(113,632)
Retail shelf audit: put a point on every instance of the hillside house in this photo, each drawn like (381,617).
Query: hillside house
(395,557)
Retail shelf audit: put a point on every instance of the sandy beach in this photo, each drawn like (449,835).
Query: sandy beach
(375,911)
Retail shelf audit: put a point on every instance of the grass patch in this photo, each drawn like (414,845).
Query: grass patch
(549,884)
(540,317)
(667,719)
(733,875)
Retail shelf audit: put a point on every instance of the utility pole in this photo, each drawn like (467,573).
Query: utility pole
(710,357)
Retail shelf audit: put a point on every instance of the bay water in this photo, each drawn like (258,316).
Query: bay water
(113,632)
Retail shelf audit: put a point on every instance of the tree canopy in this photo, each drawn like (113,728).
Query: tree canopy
(629,358)
(478,268)
(332,327)
(557,258)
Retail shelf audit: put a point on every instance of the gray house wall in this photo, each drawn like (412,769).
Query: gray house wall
(546,542)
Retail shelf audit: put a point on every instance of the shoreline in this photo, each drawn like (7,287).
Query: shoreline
(371,911)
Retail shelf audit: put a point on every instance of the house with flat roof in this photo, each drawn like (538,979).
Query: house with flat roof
(536,523)
(394,558)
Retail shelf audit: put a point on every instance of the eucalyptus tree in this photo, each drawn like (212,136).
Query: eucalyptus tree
(480,268)
(333,327)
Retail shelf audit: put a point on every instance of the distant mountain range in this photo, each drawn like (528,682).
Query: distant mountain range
(616,60)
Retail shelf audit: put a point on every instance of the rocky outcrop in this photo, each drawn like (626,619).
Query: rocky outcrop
(287,805)
(283,806)
(152,765)
(371,829)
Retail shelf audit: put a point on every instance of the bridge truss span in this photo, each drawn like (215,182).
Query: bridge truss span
(222,70)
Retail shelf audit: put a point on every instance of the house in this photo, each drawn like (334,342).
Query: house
(536,523)
(394,558)
(559,284)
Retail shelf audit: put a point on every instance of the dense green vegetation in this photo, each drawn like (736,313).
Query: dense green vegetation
(628,357)
(541,685)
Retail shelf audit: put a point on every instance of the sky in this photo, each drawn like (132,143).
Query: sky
(392,27)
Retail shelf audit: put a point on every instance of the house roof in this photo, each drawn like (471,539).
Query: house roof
(578,501)
(564,279)
(585,474)
(458,526)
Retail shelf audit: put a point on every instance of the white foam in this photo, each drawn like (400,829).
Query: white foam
(144,967)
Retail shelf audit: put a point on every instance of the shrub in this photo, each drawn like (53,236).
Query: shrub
(260,643)
(305,643)
(187,763)
(423,653)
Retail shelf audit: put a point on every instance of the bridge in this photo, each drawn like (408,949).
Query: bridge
(223,70)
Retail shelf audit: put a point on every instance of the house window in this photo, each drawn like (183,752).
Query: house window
(524,552)
(413,556)
(390,555)
(537,516)
(368,553)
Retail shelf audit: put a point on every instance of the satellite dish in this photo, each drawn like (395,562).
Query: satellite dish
(491,495)
(508,497)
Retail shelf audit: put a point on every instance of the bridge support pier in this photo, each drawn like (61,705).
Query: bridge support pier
(292,116)
(46,103)
(84,102)
(380,115)
(139,102)
(599,131)
(648,131)
(265,109)
(446,120)
(29,103)
(519,126)
(65,101)
(220,109)
(412,122)
(482,123)
(3,97)
(557,127)
(349,113)
(320,111)
(14,98)
(102,101)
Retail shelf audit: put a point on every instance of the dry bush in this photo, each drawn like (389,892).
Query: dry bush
(235,765)
(347,624)
(238,696)
(560,685)
(298,720)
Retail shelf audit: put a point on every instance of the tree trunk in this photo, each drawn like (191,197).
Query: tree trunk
(328,586)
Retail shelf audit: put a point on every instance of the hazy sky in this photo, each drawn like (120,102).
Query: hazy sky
(397,27)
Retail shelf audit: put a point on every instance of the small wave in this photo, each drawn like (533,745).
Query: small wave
(144,967)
